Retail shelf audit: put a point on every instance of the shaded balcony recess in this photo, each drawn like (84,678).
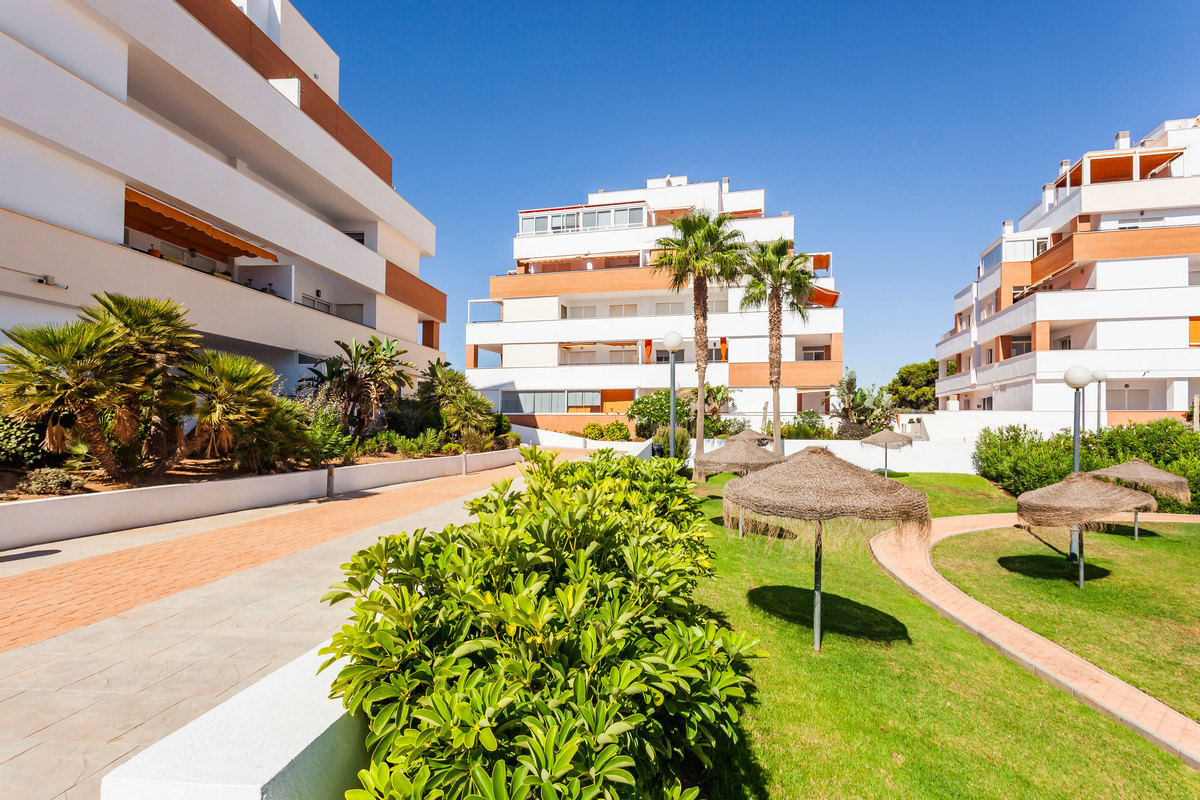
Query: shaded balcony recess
(163,221)
(1112,166)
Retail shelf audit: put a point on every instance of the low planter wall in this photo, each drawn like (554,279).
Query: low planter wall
(555,439)
(30,522)
(917,457)
(280,739)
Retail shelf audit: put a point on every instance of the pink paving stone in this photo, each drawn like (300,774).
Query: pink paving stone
(1145,715)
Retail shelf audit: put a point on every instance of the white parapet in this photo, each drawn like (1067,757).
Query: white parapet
(280,739)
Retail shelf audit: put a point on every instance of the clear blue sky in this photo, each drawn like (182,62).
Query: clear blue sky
(899,135)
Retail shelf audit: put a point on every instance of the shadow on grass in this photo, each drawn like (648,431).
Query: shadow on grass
(1126,531)
(838,614)
(1051,568)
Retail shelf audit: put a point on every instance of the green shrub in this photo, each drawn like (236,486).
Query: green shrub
(324,441)
(50,480)
(368,447)
(389,441)
(452,449)
(853,430)
(508,441)
(616,432)
(20,444)
(503,425)
(408,417)
(275,443)
(653,410)
(593,430)
(683,441)
(552,647)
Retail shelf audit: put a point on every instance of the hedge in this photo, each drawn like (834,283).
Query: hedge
(552,647)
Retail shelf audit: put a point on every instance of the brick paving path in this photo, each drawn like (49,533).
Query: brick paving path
(38,604)
(908,562)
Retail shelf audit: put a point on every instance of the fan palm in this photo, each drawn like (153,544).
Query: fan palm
(78,368)
(363,378)
(703,248)
(779,280)
(232,391)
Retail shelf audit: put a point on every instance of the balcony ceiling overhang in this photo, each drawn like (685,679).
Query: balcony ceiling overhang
(151,215)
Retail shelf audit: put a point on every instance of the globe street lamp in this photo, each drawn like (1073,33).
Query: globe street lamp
(1099,376)
(1077,377)
(672,341)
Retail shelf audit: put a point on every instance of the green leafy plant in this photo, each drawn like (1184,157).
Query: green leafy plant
(50,480)
(551,647)
(325,443)
(452,449)
(616,432)
(20,444)
(593,430)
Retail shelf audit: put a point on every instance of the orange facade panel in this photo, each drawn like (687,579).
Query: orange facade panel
(402,285)
(1098,245)
(793,374)
(640,279)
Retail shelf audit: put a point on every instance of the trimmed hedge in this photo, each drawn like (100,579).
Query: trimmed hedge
(550,648)
(1019,459)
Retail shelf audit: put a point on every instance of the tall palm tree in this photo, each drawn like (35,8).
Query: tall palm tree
(78,369)
(232,391)
(703,248)
(779,281)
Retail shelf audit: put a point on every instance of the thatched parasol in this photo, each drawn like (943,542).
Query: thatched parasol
(748,435)
(1146,476)
(739,457)
(888,440)
(1079,500)
(815,485)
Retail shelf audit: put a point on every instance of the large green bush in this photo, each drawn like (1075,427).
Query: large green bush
(20,444)
(1019,459)
(550,648)
(593,430)
(616,431)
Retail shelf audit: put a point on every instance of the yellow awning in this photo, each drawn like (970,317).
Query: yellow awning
(155,215)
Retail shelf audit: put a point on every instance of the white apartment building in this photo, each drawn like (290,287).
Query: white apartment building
(1103,271)
(574,332)
(195,149)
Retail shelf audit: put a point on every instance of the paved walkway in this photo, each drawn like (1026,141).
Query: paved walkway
(908,562)
(125,637)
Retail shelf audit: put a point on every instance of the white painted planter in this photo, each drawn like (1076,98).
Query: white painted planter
(280,739)
(29,522)
(920,456)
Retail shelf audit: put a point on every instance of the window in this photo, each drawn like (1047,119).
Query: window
(533,402)
(623,310)
(987,403)
(541,224)
(357,236)
(991,258)
(172,253)
(812,353)
(563,223)
(714,354)
(577,399)
(662,356)
(621,218)
(581,312)
(967,361)
(1021,345)
(312,302)
(718,306)
(988,356)
(1135,223)
(635,216)
(579,357)
(1063,344)
(613,218)
(663,309)
(623,356)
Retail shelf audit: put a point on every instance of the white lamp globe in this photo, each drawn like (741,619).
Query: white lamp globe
(1077,377)
(1099,375)
(672,341)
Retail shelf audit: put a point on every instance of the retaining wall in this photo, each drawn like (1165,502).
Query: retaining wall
(918,457)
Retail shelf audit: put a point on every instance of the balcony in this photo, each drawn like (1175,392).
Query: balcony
(1112,245)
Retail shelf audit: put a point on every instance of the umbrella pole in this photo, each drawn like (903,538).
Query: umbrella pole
(817,592)
(1135,526)
(740,534)
(885,471)
(1081,558)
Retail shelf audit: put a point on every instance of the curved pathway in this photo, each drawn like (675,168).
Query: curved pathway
(908,562)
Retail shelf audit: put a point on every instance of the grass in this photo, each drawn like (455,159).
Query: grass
(901,703)
(1136,616)
(952,494)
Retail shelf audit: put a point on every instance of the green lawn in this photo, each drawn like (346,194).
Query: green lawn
(952,494)
(1137,616)
(902,703)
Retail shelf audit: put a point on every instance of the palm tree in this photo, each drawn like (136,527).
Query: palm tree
(363,378)
(778,280)
(703,248)
(77,368)
(232,391)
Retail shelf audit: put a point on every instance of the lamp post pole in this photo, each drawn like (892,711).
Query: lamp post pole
(1099,376)
(672,341)
(1077,378)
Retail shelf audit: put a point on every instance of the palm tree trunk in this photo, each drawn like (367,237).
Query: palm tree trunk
(700,310)
(775,356)
(93,434)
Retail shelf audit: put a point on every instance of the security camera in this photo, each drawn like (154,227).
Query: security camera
(47,279)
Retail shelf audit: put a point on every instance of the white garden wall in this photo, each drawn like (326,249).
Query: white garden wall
(917,457)
(29,522)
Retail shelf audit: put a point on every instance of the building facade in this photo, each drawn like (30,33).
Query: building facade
(1103,271)
(574,332)
(195,149)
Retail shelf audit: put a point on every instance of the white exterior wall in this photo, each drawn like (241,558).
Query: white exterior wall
(1141,273)
(531,355)
(528,309)
(72,40)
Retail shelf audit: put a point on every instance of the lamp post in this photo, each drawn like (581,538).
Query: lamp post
(672,341)
(1099,376)
(1077,377)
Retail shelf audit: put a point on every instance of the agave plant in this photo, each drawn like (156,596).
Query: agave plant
(78,368)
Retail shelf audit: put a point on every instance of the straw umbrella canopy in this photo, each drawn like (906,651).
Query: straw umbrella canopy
(739,457)
(1079,500)
(1136,472)
(748,435)
(888,440)
(815,485)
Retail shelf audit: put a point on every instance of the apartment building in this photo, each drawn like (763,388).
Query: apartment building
(1103,271)
(573,333)
(195,149)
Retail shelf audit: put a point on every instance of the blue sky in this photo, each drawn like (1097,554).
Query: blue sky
(899,135)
